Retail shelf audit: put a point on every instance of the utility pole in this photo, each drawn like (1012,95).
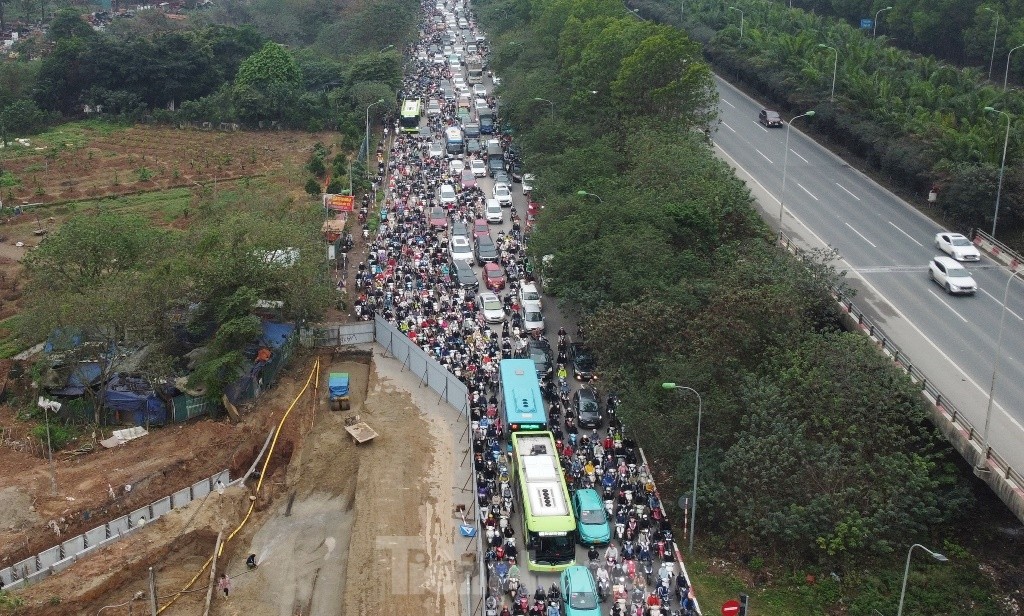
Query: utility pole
(213,575)
(152,592)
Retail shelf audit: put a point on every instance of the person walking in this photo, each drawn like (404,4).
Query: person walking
(224,584)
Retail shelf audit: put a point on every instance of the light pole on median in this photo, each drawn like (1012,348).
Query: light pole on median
(368,135)
(906,571)
(1006,76)
(537,98)
(874,27)
(835,68)
(1002,167)
(982,467)
(995,37)
(785,166)
(732,8)
(696,460)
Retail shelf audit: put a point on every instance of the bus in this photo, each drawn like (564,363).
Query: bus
(520,396)
(453,140)
(410,119)
(539,484)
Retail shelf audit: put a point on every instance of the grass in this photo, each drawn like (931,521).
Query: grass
(165,205)
(74,135)
(10,343)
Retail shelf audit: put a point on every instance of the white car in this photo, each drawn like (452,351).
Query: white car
(529,297)
(479,167)
(456,167)
(528,182)
(433,108)
(438,58)
(491,306)
(460,249)
(479,90)
(952,276)
(436,149)
(446,195)
(957,246)
(493,213)
(533,320)
(503,194)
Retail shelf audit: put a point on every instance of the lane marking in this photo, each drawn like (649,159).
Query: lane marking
(729,127)
(998,301)
(758,124)
(910,237)
(807,191)
(951,309)
(798,156)
(863,238)
(763,156)
(752,178)
(727,103)
(853,195)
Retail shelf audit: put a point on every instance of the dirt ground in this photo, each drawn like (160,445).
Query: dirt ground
(384,506)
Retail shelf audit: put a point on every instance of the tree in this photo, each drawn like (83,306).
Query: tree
(271,65)
(22,117)
(68,24)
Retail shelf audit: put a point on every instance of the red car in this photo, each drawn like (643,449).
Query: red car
(480,228)
(494,276)
(437,219)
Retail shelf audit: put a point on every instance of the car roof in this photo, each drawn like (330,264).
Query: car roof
(491,266)
(579,578)
(458,239)
(589,496)
(487,295)
(769,112)
(949,262)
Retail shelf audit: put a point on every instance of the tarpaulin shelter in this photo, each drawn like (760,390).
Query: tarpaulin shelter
(133,399)
(278,338)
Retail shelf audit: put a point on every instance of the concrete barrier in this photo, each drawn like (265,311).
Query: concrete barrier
(181,498)
(25,568)
(49,556)
(5,576)
(61,565)
(95,536)
(139,517)
(73,545)
(37,576)
(120,526)
(160,507)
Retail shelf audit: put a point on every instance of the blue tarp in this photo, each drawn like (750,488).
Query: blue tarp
(337,383)
(276,334)
(132,396)
(83,375)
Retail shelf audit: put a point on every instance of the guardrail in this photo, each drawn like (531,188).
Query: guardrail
(960,431)
(996,249)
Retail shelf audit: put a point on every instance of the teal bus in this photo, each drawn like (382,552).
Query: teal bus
(539,485)
(520,396)
(409,121)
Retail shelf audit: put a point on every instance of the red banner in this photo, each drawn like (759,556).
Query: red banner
(339,203)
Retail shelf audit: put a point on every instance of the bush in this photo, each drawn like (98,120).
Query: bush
(312,186)
(60,435)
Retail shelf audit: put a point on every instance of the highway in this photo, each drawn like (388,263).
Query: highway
(885,246)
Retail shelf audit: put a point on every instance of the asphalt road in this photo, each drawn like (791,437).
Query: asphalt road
(885,246)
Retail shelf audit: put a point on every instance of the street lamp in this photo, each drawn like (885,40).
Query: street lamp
(906,571)
(368,135)
(1002,167)
(874,27)
(383,49)
(835,67)
(1006,77)
(537,98)
(785,165)
(732,8)
(982,467)
(995,36)
(696,460)
(584,193)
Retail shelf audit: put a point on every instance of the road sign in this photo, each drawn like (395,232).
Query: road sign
(731,608)
(867,23)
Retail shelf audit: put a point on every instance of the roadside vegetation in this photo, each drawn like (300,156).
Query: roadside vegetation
(819,466)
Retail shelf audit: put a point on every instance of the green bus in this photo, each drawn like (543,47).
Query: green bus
(409,121)
(539,484)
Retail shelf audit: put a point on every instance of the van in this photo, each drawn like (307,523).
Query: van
(579,592)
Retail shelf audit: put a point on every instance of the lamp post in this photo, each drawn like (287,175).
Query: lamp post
(368,135)
(696,460)
(1002,167)
(383,49)
(732,8)
(906,571)
(584,193)
(981,468)
(1006,77)
(995,36)
(537,98)
(835,67)
(874,27)
(785,166)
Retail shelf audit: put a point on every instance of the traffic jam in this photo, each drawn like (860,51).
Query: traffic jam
(569,514)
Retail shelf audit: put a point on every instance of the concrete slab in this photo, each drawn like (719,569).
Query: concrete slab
(181,498)
(25,568)
(49,556)
(73,545)
(61,565)
(119,526)
(139,517)
(95,536)
(160,507)
(5,576)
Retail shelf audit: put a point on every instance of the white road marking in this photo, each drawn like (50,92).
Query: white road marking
(910,237)
(996,300)
(798,156)
(729,127)
(951,309)
(807,191)
(752,178)
(758,124)
(763,156)
(861,235)
(852,195)
(727,103)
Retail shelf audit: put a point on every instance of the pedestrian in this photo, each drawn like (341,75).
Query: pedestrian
(224,584)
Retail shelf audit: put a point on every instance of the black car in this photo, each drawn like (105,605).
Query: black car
(515,169)
(485,250)
(540,352)
(472,146)
(466,276)
(486,125)
(472,130)
(582,361)
(588,409)
(770,118)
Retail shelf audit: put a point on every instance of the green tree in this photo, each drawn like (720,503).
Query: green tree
(22,117)
(68,24)
(272,65)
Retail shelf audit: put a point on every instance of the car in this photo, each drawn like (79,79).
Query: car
(588,409)
(528,179)
(460,83)
(480,229)
(533,320)
(472,130)
(437,218)
(456,167)
(468,178)
(769,118)
(496,165)
(515,169)
(957,246)
(466,277)
(592,524)
(500,177)
(479,90)
(446,195)
(540,352)
(582,359)
(952,276)
(481,105)
(473,149)
(493,212)
(436,149)
(433,108)
(459,249)
(459,229)
(503,194)
(491,306)
(486,125)
(486,251)
(478,167)
(529,296)
(424,134)
(448,92)
(463,116)
(494,277)
(438,58)
(579,592)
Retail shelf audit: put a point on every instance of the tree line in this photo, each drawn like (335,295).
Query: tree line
(816,453)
